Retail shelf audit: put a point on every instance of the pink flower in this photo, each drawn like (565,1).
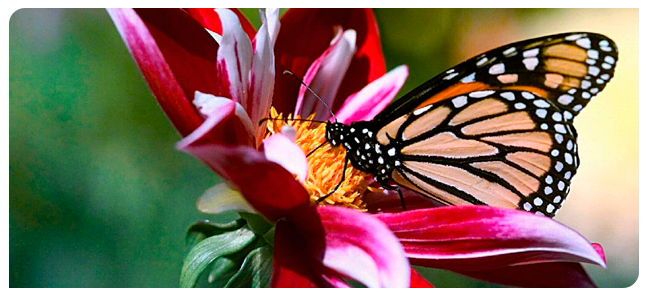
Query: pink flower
(217,85)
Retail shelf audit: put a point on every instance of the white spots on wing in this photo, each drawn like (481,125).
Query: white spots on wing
(593,54)
(605,76)
(567,175)
(604,45)
(594,91)
(568,158)
(528,95)
(450,71)
(421,110)
(497,69)
(528,206)
(559,166)
(480,94)
(520,105)
(593,70)
(547,190)
(550,208)
(541,113)
(585,84)
(531,63)
(459,101)
(559,138)
(538,201)
(555,152)
(549,179)
(508,96)
(557,117)
(590,61)
(561,185)
(560,128)
(380,160)
(577,108)
(574,37)
(481,61)
(469,78)
(584,43)
(569,145)
(572,91)
(450,76)
(565,99)
(557,199)
(606,66)
(391,152)
(544,126)
(600,81)
(541,103)
(531,53)
(586,95)
(509,52)
(609,59)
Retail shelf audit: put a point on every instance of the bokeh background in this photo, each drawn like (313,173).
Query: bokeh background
(99,197)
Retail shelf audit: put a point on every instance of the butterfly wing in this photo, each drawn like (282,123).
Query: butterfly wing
(566,69)
(497,129)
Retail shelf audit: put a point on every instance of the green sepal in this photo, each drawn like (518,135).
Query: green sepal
(204,229)
(209,249)
(255,271)
(257,223)
(269,237)
(223,269)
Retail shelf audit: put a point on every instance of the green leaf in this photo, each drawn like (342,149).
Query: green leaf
(209,249)
(222,270)
(256,270)
(257,223)
(203,229)
(269,237)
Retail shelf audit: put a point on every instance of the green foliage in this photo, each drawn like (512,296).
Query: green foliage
(209,249)
(256,270)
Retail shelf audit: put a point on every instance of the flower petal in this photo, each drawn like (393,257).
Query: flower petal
(474,238)
(234,57)
(280,149)
(390,201)
(221,198)
(362,248)
(292,266)
(262,77)
(418,281)
(325,75)
(372,99)
(266,185)
(176,56)
(312,30)
(545,275)
(227,123)
(209,18)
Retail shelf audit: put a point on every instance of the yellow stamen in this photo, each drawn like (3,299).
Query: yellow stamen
(325,164)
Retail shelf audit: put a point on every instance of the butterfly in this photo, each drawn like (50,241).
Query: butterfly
(494,130)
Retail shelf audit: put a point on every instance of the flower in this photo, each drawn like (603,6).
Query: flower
(215,85)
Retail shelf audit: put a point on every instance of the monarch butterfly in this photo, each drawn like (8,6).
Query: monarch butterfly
(495,130)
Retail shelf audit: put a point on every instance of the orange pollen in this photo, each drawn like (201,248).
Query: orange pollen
(325,164)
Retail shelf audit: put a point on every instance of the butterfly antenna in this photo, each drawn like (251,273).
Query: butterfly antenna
(312,91)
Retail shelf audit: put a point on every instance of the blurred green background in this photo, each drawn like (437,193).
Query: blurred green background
(99,197)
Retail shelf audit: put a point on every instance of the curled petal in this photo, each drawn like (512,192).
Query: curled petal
(362,248)
(282,150)
(266,185)
(209,18)
(221,198)
(176,56)
(273,17)
(372,99)
(325,75)
(227,124)
(475,238)
(234,56)
(312,30)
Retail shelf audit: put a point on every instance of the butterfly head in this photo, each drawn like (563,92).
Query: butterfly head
(336,132)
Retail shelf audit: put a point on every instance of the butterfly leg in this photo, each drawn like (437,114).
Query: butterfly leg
(345,167)
(399,191)
(321,145)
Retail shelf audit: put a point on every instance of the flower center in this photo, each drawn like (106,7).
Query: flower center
(325,164)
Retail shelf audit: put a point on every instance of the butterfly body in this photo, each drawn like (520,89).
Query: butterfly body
(494,130)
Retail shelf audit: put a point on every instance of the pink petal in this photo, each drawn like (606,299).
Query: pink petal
(312,30)
(273,18)
(372,99)
(545,275)
(176,56)
(325,76)
(227,124)
(234,56)
(360,247)
(600,250)
(280,149)
(266,185)
(209,18)
(476,238)
(262,77)
(418,281)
